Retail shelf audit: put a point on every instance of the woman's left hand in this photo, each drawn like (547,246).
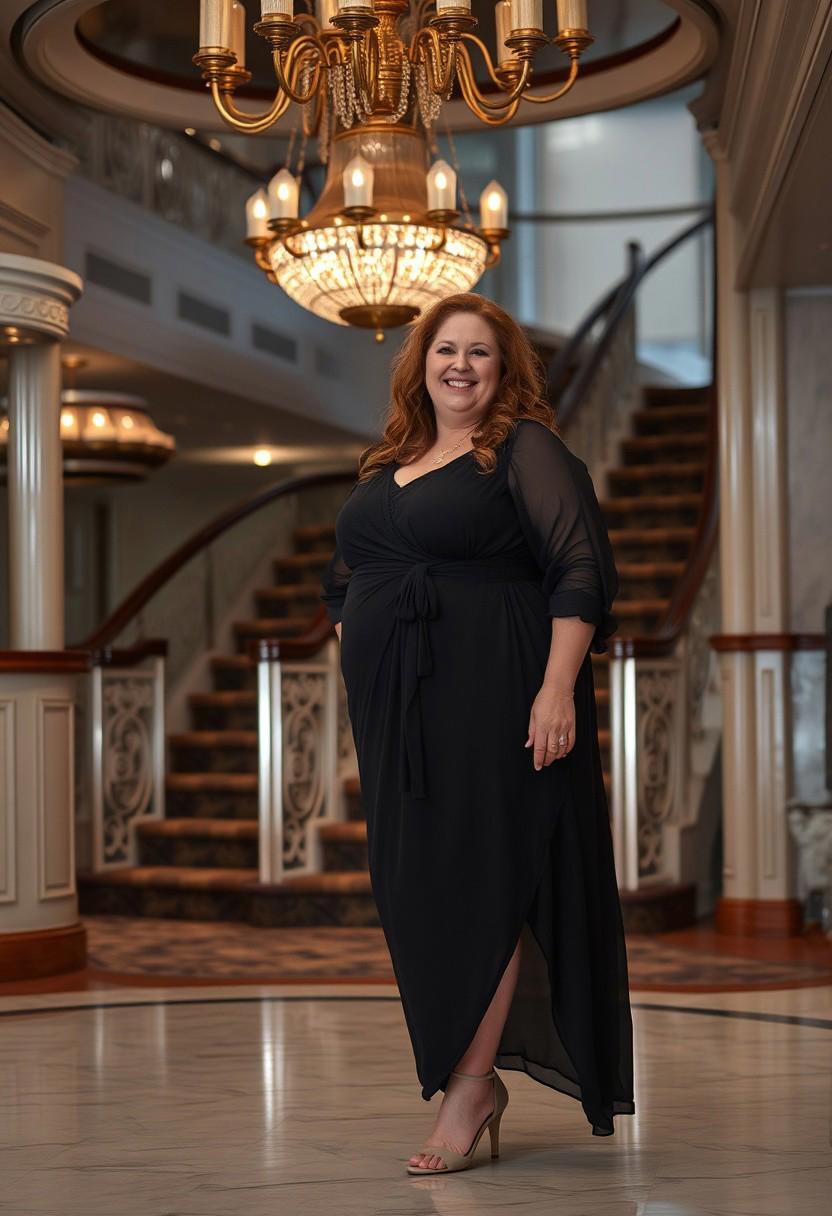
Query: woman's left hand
(551,726)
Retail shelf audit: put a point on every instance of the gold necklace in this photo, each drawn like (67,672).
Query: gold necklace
(445,451)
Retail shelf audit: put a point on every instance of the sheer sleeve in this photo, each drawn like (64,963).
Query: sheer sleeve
(334,581)
(561,519)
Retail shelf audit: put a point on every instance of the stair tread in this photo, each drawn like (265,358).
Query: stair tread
(649,569)
(207,783)
(220,829)
(660,502)
(267,625)
(646,607)
(237,661)
(297,561)
(672,412)
(671,439)
(179,877)
(669,468)
(334,882)
(287,591)
(313,531)
(214,738)
(227,699)
(350,830)
(651,535)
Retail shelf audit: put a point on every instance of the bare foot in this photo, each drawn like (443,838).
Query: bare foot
(465,1107)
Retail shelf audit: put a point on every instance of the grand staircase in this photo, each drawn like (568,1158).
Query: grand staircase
(200,862)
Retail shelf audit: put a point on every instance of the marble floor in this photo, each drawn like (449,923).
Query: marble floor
(261,1100)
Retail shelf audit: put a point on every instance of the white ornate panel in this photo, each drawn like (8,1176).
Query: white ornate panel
(55,798)
(8,860)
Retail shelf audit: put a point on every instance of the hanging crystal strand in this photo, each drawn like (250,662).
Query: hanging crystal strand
(430,106)
(324,124)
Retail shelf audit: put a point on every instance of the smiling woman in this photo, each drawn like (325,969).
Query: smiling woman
(467,598)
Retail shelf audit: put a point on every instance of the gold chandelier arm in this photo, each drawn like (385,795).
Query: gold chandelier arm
(253,124)
(542,101)
(364,60)
(288,72)
(495,255)
(427,46)
(484,51)
(489,111)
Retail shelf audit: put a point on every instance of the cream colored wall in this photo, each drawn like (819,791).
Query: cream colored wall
(809,423)
(32,173)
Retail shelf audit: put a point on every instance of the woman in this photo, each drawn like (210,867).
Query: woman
(471,577)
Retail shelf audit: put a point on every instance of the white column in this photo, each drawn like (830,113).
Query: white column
(36,504)
(39,929)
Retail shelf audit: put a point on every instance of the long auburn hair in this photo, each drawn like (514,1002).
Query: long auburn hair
(410,421)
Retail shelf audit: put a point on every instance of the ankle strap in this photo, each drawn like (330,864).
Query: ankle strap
(473,1076)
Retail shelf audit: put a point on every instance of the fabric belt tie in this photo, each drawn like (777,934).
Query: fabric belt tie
(417,603)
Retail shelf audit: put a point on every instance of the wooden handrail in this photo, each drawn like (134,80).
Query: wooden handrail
(614,305)
(130,607)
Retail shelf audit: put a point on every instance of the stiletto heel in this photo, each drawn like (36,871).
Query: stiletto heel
(462,1161)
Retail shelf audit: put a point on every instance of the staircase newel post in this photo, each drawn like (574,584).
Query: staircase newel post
(270,763)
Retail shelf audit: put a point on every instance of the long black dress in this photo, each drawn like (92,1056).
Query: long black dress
(446,587)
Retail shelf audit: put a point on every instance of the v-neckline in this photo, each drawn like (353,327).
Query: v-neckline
(395,465)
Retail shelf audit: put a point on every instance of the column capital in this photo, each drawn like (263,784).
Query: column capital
(35,299)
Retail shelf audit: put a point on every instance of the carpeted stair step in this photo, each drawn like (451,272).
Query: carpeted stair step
(668,396)
(214,751)
(300,567)
(685,418)
(659,449)
(231,709)
(191,841)
(314,538)
(343,845)
(212,795)
(651,510)
(234,672)
(352,798)
(293,599)
(648,579)
(639,616)
(177,893)
(636,544)
(672,477)
(343,898)
(270,627)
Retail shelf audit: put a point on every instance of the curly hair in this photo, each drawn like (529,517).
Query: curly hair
(410,421)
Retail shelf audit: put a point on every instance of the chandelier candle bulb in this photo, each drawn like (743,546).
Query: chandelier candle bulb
(325,11)
(502,20)
(277,8)
(463,6)
(215,23)
(238,33)
(358,183)
(283,196)
(493,206)
(257,215)
(527,14)
(441,187)
(572,15)
(354,4)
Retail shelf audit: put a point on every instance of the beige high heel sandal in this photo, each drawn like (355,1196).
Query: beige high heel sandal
(463,1161)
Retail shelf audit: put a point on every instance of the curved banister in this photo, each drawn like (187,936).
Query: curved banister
(130,607)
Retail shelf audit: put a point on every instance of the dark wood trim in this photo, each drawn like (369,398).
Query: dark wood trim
(129,656)
(759,917)
(136,600)
(42,952)
(273,650)
(749,643)
(45,662)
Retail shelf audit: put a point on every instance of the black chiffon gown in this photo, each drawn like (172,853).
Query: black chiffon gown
(446,587)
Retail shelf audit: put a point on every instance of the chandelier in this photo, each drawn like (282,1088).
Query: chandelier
(105,438)
(385,240)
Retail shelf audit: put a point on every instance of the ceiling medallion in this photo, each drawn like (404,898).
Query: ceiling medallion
(385,240)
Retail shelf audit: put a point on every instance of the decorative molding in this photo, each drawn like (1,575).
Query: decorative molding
(8,855)
(36,296)
(42,952)
(22,227)
(55,799)
(19,135)
(759,917)
(770,498)
(750,643)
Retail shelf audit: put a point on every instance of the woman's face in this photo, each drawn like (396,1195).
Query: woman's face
(463,368)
